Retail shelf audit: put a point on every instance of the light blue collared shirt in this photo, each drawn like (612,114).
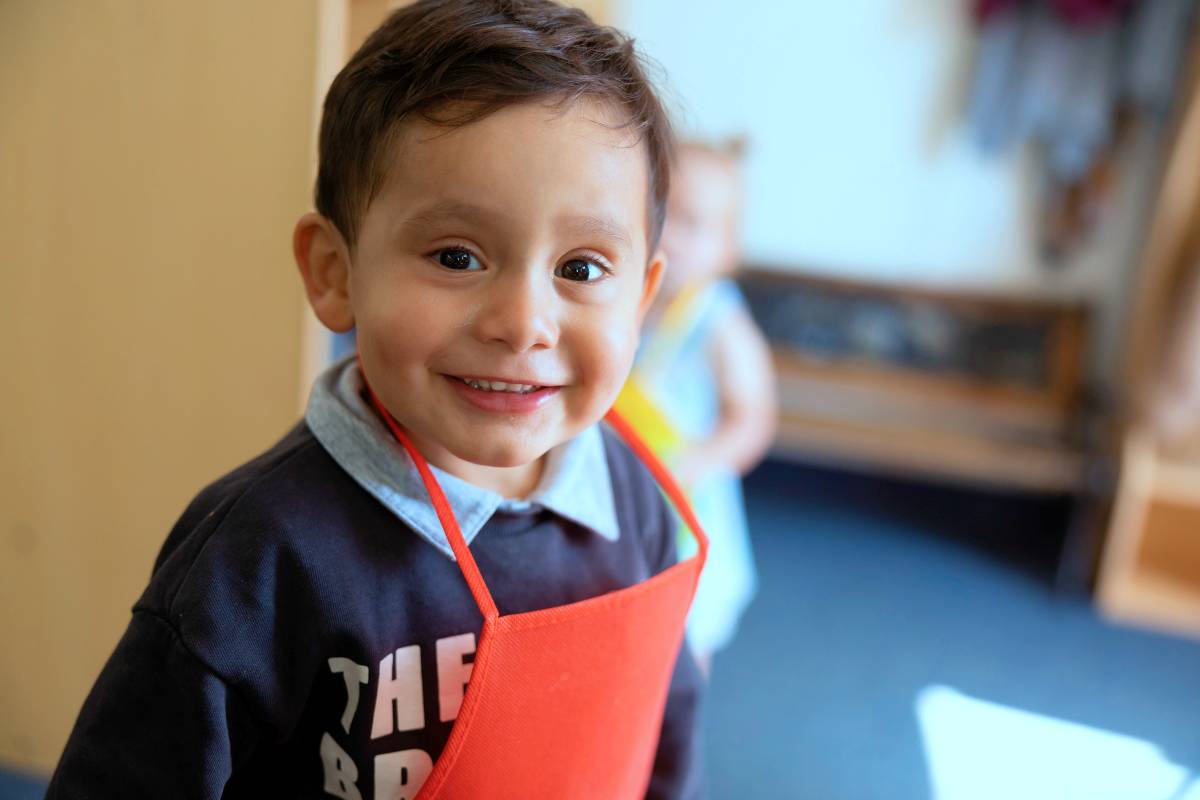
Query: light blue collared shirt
(575,484)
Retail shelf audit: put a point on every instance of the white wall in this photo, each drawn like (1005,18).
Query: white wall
(859,163)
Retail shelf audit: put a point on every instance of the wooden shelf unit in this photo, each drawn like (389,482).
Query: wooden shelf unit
(1150,567)
(1150,573)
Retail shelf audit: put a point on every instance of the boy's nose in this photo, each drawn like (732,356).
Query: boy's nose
(519,311)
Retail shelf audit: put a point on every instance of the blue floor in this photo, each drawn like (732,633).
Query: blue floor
(871,592)
(14,786)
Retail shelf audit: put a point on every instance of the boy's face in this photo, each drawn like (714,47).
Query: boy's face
(514,250)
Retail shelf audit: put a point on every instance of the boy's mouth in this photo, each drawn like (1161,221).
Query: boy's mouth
(502,397)
(500,386)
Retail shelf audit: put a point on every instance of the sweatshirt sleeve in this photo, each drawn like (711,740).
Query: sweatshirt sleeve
(157,723)
(678,769)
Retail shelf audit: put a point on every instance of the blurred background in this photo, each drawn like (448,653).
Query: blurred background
(971,236)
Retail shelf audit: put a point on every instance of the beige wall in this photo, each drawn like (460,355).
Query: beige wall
(366,15)
(153,157)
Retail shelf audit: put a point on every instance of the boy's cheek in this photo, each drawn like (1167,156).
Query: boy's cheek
(611,363)
(396,321)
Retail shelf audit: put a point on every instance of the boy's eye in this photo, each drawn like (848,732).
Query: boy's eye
(459,259)
(579,269)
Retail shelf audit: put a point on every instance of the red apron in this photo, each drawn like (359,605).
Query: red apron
(564,702)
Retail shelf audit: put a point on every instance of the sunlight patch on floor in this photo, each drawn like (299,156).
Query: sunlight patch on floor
(978,750)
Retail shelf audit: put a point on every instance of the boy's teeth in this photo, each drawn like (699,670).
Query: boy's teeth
(499,386)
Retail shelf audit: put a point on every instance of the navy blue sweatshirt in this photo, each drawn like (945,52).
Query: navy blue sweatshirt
(298,640)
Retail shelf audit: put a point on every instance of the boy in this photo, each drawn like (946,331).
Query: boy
(490,194)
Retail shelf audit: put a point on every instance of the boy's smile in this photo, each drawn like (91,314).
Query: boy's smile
(497,284)
(508,397)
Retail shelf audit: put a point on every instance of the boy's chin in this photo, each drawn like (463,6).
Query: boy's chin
(503,457)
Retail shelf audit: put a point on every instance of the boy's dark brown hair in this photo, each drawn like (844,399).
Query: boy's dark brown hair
(452,62)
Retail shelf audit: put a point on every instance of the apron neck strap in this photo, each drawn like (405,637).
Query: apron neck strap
(462,553)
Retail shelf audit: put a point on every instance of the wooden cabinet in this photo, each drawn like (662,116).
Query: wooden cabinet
(1150,574)
(1150,571)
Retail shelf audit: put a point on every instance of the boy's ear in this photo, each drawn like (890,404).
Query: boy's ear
(324,263)
(654,273)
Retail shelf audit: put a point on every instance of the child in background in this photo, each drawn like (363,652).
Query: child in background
(702,389)
(492,182)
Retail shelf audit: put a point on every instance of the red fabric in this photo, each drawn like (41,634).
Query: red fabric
(1074,12)
(986,9)
(1090,12)
(565,702)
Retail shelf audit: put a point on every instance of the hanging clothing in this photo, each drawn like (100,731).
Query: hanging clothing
(1070,77)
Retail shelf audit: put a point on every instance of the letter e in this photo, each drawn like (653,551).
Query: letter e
(453,675)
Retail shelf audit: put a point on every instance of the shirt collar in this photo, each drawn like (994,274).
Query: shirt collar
(575,483)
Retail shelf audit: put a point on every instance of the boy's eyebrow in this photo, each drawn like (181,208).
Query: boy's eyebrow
(452,209)
(586,225)
(580,225)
